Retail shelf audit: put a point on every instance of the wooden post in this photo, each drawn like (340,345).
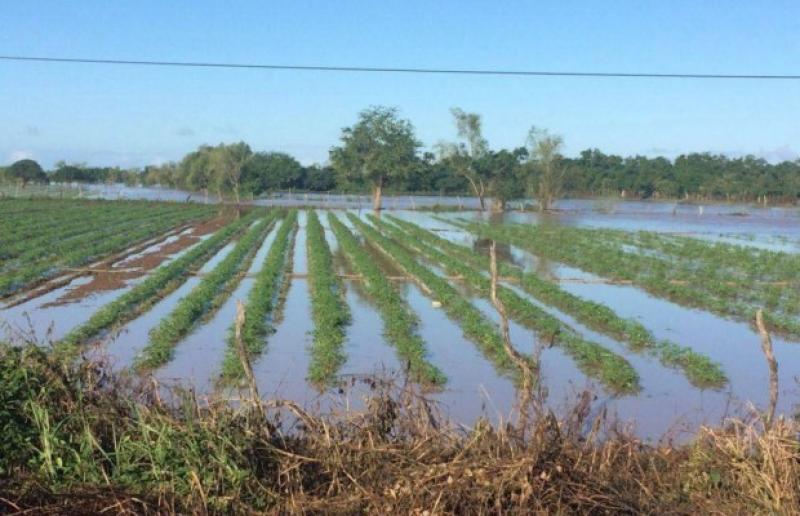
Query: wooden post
(766,347)
(244,358)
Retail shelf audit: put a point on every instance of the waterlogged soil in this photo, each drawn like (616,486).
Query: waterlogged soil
(666,405)
(198,357)
(123,347)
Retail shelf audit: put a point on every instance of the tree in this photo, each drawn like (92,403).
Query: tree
(545,167)
(380,148)
(504,171)
(464,156)
(195,169)
(319,179)
(265,171)
(26,171)
(227,162)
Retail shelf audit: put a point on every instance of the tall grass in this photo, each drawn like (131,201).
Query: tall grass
(77,439)
(261,301)
(329,309)
(204,299)
(400,323)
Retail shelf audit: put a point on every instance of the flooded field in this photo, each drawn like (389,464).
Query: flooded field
(649,306)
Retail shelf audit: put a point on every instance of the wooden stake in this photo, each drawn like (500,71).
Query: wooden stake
(766,347)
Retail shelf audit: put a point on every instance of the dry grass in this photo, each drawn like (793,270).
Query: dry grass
(85,441)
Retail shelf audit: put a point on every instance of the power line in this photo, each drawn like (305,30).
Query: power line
(381,69)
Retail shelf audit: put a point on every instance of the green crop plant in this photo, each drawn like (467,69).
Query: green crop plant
(329,309)
(204,299)
(699,369)
(161,282)
(399,321)
(476,326)
(261,302)
(594,359)
(698,286)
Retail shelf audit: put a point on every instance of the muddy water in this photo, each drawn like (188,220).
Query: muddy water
(474,388)
(124,346)
(668,405)
(667,400)
(198,357)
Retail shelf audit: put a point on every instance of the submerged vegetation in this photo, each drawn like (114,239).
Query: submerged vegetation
(400,323)
(78,437)
(729,291)
(328,306)
(161,282)
(699,369)
(205,298)
(261,301)
(35,248)
(612,369)
(476,327)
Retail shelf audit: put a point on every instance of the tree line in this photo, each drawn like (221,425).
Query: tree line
(380,153)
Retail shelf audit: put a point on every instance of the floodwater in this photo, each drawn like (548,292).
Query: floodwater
(667,406)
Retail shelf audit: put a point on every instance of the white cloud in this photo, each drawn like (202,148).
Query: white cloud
(19,154)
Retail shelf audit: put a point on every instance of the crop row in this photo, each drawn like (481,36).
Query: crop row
(261,301)
(594,359)
(700,289)
(44,247)
(400,323)
(157,285)
(62,219)
(699,369)
(55,257)
(329,309)
(204,299)
(476,326)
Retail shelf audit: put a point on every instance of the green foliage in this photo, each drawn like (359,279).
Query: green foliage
(594,359)
(399,321)
(161,282)
(204,299)
(735,289)
(328,306)
(700,370)
(474,324)
(271,171)
(26,171)
(379,149)
(80,240)
(261,301)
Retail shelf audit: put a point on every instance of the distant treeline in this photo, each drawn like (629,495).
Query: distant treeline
(369,161)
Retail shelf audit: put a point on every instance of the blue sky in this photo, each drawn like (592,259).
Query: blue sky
(116,115)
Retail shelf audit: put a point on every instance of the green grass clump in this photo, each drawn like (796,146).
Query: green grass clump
(593,359)
(399,321)
(328,307)
(161,282)
(204,299)
(699,369)
(261,301)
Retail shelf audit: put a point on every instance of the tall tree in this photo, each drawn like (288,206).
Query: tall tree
(380,149)
(464,156)
(26,171)
(227,163)
(547,171)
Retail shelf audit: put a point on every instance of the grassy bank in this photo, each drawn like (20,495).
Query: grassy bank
(77,439)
